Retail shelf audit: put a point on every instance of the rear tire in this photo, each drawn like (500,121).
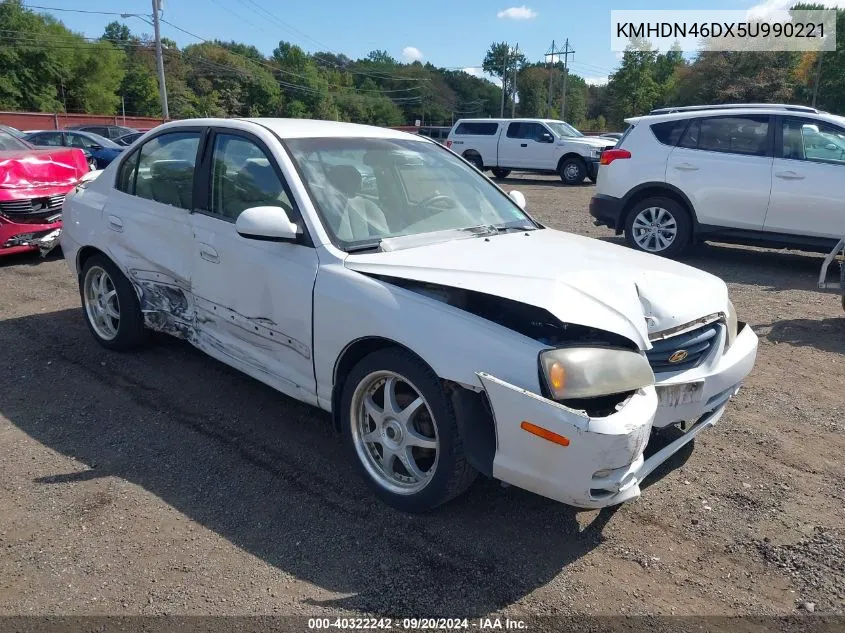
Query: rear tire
(383,434)
(475,159)
(573,171)
(500,173)
(110,305)
(658,225)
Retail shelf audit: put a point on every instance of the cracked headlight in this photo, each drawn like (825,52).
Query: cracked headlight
(589,372)
(732,325)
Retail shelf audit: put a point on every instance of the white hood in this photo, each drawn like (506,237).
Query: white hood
(580,280)
(592,141)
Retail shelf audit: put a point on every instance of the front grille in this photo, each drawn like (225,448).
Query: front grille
(696,343)
(32,207)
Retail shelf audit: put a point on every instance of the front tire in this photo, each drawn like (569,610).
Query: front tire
(110,305)
(658,225)
(573,171)
(401,430)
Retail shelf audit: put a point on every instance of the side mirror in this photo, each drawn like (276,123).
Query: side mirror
(95,147)
(517,197)
(270,224)
(547,138)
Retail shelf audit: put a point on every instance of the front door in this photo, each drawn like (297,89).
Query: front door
(808,194)
(253,298)
(527,145)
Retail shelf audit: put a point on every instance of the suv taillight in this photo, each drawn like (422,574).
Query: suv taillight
(610,155)
(448,143)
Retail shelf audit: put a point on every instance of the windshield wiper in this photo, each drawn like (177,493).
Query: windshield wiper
(483,230)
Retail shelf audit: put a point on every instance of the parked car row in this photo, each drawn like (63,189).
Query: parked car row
(473,339)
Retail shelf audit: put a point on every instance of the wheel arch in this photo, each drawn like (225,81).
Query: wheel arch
(84,254)
(351,355)
(569,155)
(649,189)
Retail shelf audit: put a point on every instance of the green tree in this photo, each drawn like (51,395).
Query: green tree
(503,62)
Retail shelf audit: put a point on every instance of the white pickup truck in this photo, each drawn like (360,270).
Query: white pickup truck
(535,145)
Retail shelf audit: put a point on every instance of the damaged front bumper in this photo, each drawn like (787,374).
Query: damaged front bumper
(38,235)
(600,462)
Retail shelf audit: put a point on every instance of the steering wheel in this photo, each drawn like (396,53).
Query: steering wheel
(432,200)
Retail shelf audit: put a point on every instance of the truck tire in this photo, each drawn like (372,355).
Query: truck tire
(572,171)
(475,159)
(500,173)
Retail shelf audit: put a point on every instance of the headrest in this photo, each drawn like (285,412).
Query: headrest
(346,178)
(172,169)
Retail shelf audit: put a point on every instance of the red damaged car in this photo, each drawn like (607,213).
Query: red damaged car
(33,185)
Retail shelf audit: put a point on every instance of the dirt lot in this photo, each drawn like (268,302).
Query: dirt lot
(164,482)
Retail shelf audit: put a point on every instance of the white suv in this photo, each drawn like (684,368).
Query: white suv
(748,173)
(541,146)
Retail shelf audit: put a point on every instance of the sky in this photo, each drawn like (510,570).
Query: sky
(448,33)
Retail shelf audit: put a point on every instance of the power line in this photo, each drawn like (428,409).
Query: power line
(33,6)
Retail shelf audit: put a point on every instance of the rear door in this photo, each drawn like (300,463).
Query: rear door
(148,221)
(808,184)
(724,166)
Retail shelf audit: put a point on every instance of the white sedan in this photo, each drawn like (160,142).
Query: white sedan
(377,275)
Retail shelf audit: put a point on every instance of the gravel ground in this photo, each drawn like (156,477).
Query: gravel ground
(164,482)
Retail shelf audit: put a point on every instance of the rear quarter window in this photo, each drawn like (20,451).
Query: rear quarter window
(669,132)
(477,129)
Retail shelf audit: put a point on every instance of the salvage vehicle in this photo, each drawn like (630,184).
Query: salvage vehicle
(33,185)
(542,146)
(447,331)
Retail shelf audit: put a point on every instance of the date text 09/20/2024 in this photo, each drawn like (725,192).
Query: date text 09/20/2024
(416,624)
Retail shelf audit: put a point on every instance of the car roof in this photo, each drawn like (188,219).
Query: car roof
(517,120)
(735,111)
(300,128)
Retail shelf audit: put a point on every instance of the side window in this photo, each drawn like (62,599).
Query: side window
(746,135)
(126,175)
(243,177)
(77,140)
(515,130)
(166,169)
(668,132)
(535,131)
(813,141)
(52,139)
(478,129)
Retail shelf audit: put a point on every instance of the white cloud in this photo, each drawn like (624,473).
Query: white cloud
(412,54)
(517,13)
(474,71)
(620,55)
(595,81)
(778,10)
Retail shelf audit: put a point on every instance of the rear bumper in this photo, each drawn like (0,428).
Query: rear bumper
(607,210)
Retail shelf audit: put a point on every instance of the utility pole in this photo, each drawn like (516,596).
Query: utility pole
(818,78)
(504,81)
(515,70)
(165,113)
(551,56)
(566,54)
(123,108)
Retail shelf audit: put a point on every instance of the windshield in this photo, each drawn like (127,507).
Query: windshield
(369,189)
(562,129)
(9,142)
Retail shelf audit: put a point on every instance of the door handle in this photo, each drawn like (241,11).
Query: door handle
(115,223)
(686,167)
(789,175)
(523,144)
(209,254)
